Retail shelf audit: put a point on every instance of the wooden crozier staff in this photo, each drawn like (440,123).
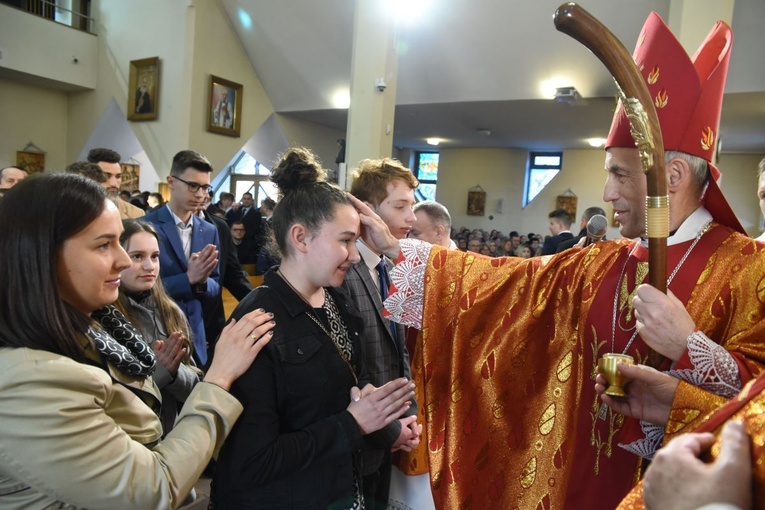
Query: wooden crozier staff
(573,20)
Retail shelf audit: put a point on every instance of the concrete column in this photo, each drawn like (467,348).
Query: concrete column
(374,63)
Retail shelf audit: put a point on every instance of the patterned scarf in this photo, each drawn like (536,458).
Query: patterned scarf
(121,344)
(339,335)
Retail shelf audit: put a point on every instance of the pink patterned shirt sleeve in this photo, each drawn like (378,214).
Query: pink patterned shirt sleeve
(407,292)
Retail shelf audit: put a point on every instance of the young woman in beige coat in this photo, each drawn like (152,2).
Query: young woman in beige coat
(78,422)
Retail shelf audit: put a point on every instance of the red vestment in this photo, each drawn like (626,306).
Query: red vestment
(509,350)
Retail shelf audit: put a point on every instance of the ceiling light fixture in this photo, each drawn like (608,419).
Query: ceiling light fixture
(408,11)
(596,142)
(549,87)
(568,95)
(341,99)
(484,131)
(433,141)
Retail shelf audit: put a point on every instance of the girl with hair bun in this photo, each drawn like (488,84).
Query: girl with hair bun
(305,420)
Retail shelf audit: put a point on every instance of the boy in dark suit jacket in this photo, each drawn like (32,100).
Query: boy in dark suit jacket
(388,188)
(560,223)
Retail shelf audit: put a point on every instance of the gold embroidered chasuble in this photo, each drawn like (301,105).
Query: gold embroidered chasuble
(747,407)
(509,348)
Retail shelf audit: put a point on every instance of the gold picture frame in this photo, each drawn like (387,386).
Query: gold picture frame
(32,162)
(143,89)
(164,190)
(224,110)
(476,205)
(131,174)
(569,203)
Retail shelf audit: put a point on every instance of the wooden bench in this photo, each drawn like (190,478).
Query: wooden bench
(230,302)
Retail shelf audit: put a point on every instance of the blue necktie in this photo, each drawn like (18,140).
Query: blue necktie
(382,273)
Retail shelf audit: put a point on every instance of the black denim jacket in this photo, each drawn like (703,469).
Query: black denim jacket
(295,445)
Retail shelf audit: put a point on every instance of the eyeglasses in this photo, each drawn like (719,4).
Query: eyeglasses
(194,187)
(237,230)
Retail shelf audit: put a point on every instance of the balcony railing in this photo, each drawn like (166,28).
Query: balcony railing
(72,13)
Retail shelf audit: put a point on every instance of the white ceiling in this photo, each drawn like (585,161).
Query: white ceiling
(478,64)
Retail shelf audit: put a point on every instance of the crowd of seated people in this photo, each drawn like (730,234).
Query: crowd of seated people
(496,244)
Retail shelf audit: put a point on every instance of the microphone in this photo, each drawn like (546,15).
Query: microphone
(596,229)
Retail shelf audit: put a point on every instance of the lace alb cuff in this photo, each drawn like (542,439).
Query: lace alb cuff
(405,302)
(646,446)
(713,368)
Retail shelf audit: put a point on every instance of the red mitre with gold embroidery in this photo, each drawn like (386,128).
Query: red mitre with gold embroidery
(687,93)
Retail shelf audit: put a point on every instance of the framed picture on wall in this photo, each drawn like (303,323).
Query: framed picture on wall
(164,190)
(32,162)
(476,202)
(224,114)
(143,89)
(569,202)
(130,176)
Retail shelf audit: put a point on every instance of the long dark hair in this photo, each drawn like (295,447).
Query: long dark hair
(306,198)
(37,216)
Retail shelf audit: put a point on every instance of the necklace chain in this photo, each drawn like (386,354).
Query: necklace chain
(669,280)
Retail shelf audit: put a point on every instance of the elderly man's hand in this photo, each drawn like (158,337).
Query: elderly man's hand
(662,321)
(649,393)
